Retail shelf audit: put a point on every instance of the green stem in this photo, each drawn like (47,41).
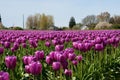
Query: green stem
(105,56)
(12,74)
(100,59)
(41,76)
(81,70)
(61,74)
(0,61)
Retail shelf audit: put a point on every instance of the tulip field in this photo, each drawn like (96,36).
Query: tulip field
(59,55)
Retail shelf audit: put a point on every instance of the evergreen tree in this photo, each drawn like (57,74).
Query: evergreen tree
(72,22)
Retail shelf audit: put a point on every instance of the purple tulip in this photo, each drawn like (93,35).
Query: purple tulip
(47,44)
(16,46)
(79,57)
(12,49)
(56,66)
(35,68)
(33,43)
(7,44)
(98,40)
(69,50)
(117,40)
(99,47)
(112,40)
(64,64)
(57,56)
(18,40)
(12,40)
(81,47)
(62,41)
(59,47)
(74,62)
(39,55)
(71,56)
(4,75)
(68,72)
(52,55)
(67,39)
(92,42)
(24,45)
(48,60)
(10,61)
(65,54)
(60,57)
(23,40)
(27,69)
(27,59)
(87,46)
(2,43)
(1,50)
(54,42)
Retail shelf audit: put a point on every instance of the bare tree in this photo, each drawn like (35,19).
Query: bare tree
(116,19)
(104,17)
(90,19)
(43,21)
(30,22)
(36,21)
(39,21)
(50,21)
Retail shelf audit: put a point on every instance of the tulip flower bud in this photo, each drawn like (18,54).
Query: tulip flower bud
(12,49)
(56,66)
(27,69)
(7,44)
(27,59)
(99,47)
(59,47)
(48,60)
(74,62)
(79,57)
(71,56)
(68,72)
(24,45)
(39,55)
(35,68)
(10,61)
(65,64)
(75,45)
(1,50)
(47,44)
(4,75)
(16,46)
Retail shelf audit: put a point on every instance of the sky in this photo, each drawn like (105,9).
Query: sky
(12,10)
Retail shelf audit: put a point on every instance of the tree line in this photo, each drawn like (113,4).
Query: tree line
(45,22)
(92,20)
(39,21)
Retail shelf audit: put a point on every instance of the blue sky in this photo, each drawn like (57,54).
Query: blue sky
(62,10)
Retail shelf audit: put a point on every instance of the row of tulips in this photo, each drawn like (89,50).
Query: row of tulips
(56,55)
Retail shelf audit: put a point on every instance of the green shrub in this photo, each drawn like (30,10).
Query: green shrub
(18,28)
(115,26)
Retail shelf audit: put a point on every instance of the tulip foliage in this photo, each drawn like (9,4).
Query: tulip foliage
(57,55)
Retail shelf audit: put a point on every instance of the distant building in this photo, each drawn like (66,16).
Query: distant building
(53,28)
(84,28)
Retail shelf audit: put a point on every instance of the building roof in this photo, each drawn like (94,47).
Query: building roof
(84,28)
